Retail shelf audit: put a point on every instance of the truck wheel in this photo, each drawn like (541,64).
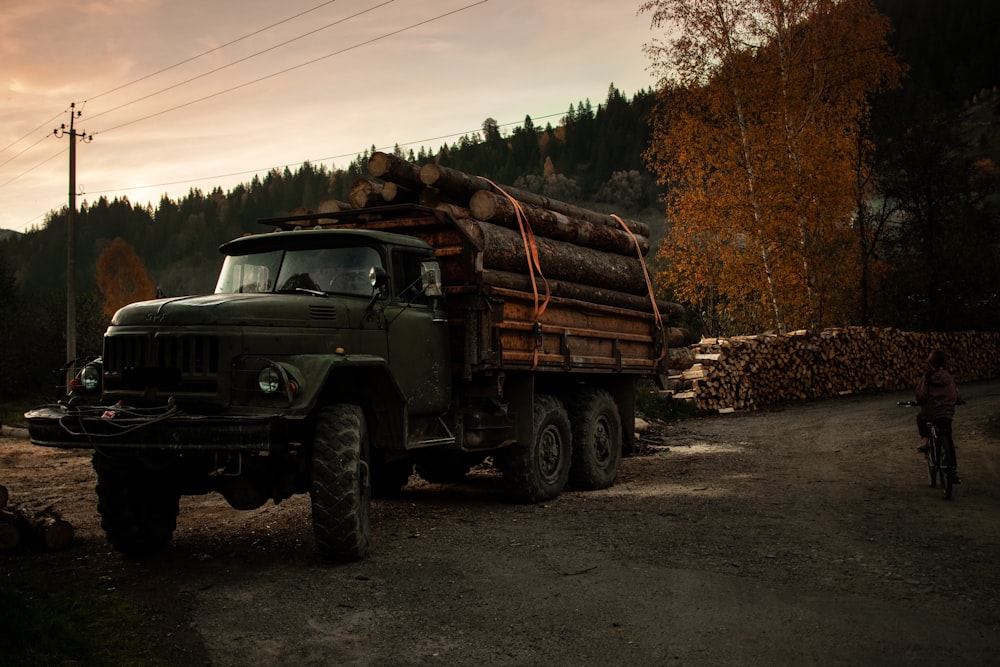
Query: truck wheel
(538,471)
(138,509)
(340,483)
(597,439)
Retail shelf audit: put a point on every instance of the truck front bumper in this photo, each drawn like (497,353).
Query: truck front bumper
(91,427)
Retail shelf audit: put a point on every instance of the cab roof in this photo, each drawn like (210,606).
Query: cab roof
(318,238)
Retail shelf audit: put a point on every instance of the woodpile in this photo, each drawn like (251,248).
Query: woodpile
(752,372)
(43,528)
(582,254)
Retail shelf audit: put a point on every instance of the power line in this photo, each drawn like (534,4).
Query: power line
(296,164)
(212,50)
(28,171)
(240,60)
(316,160)
(237,87)
(161,71)
(17,141)
(25,150)
(294,67)
(40,215)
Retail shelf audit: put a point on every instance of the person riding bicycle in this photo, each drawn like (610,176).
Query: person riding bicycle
(937,397)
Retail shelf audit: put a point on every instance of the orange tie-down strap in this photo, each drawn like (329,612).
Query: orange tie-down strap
(534,265)
(649,287)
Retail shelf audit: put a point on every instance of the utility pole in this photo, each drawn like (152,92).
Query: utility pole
(71,229)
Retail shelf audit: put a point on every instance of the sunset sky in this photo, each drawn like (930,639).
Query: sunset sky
(372,72)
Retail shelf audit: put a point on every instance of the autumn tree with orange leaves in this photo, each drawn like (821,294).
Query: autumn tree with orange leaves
(758,135)
(122,277)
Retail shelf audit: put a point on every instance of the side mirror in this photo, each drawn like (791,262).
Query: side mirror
(378,277)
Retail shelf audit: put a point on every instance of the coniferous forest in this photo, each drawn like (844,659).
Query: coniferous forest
(937,143)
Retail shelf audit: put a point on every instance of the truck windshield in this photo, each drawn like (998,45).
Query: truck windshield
(335,270)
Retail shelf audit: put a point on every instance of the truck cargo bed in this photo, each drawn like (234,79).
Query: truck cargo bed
(496,327)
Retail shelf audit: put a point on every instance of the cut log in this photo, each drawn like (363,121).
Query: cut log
(45,528)
(521,282)
(391,168)
(679,358)
(10,536)
(504,249)
(52,532)
(366,192)
(395,193)
(463,186)
(456,211)
(495,208)
(332,206)
(14,528)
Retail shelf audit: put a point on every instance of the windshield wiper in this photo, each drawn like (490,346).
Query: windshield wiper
(302,290)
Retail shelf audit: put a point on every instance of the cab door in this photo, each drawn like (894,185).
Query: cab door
(418,333)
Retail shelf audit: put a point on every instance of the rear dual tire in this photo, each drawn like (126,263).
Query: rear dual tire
(539,470)
(597,439)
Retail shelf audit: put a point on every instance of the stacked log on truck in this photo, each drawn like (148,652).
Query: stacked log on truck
(530,243)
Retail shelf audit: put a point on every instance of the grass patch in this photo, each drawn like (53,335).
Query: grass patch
(48,616)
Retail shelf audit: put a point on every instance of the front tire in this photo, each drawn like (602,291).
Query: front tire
(138,507)
(539,470)
(947,470)
(597,439)
(932,468)
(340,484)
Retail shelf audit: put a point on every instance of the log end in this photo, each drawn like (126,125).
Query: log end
(430,173)
(379,164)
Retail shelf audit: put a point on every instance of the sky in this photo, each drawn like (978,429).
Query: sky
(181,94)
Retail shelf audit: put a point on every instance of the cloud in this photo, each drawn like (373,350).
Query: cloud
(500,59)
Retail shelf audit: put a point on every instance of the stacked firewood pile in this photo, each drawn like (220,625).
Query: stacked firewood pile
(581,253)
(20,525)
(751,372)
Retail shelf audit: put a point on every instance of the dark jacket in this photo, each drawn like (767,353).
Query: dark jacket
(937,395)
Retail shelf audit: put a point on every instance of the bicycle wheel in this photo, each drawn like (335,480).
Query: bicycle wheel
(932,465)
(945,469)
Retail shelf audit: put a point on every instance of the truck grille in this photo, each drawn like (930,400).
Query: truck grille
(162,364)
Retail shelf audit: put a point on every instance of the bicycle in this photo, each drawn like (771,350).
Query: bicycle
(939,463)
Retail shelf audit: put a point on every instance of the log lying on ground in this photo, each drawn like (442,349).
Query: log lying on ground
(463,186)
(10,536)
(51,532)
(504,249)
(45,528)
(495,208)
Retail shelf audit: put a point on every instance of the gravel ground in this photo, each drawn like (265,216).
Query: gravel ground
(802,535)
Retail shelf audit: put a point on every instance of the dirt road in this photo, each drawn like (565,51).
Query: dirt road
(804,535)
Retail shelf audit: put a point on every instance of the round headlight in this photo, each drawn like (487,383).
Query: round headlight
(269,380)
(90,377)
